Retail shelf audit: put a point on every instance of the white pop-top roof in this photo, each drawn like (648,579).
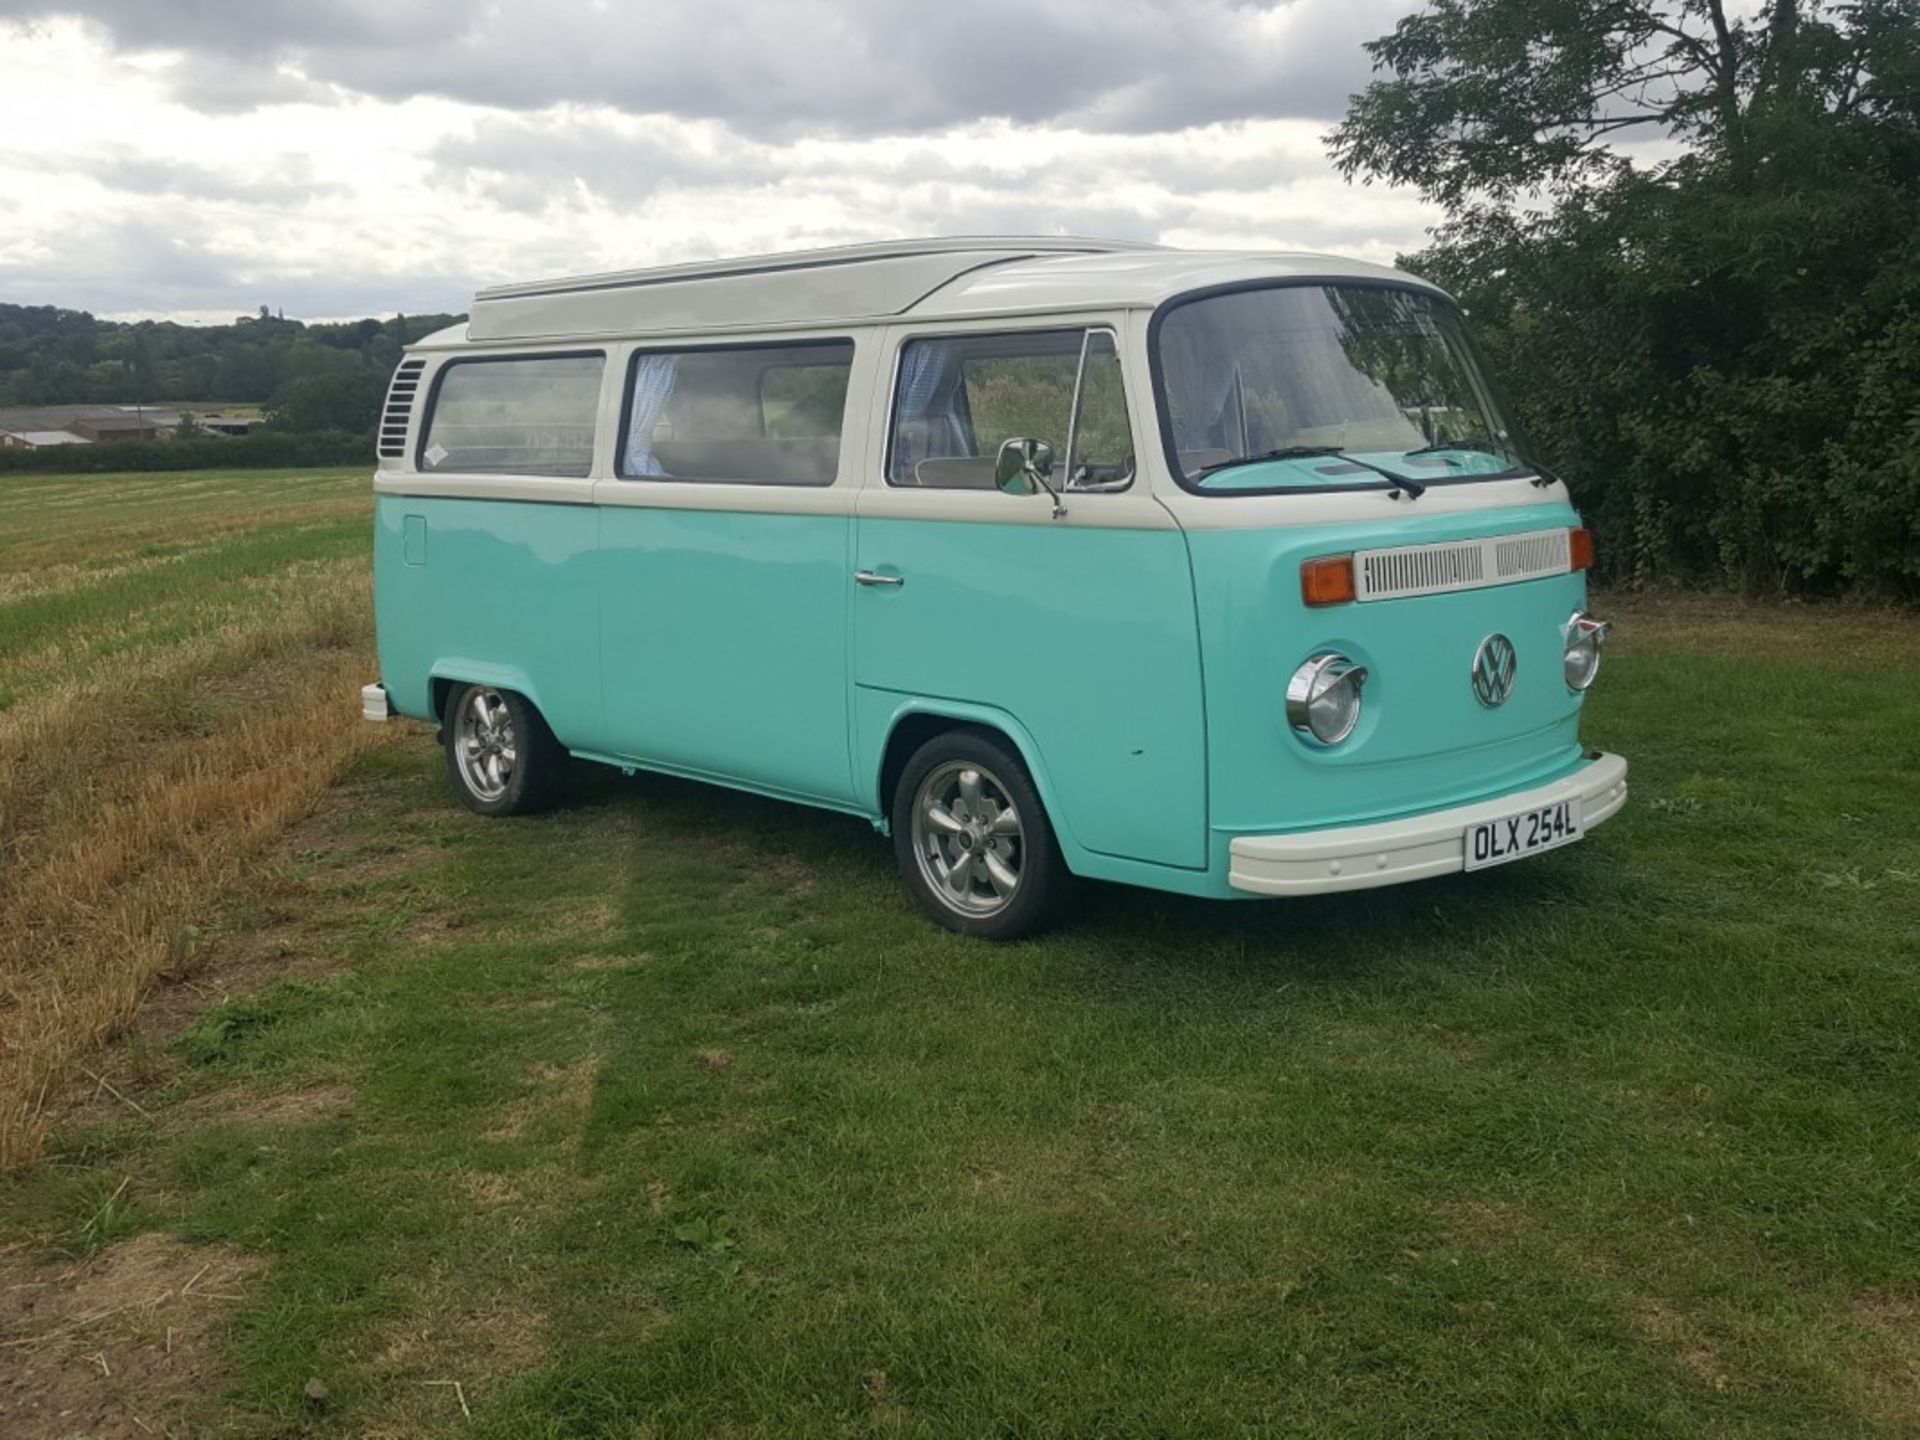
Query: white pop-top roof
(956,278)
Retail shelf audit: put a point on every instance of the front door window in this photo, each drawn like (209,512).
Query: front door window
(959,397)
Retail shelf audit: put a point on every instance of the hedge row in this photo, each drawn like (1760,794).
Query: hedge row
(262,450)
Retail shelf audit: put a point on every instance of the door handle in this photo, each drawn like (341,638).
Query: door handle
(873,577)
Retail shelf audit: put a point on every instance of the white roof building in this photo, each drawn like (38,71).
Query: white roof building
(39,439)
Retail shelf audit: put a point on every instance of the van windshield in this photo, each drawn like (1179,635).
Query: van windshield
(1308,375)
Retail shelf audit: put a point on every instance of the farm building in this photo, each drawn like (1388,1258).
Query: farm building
(93,422)
(121,427)
(38,439)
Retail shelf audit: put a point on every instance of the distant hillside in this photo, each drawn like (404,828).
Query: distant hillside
(50,356)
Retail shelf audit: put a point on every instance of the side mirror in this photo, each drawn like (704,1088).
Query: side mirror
(1022,467)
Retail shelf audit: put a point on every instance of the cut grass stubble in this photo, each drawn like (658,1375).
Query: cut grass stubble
(146,753)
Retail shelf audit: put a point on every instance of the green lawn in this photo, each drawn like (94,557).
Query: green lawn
(664,1115)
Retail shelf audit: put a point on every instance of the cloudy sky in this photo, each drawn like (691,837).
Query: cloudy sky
(200,158)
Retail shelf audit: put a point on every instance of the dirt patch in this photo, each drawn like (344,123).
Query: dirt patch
(450,1360)
(109,1348)
(280,939)
(288,1107)
(1660,1322)
(608,962)
(480,1341)
(585,920)
(489,1189)
(558,1089)
(713,1059)
(1887,1377)
(1481,1224)
(1883,1311)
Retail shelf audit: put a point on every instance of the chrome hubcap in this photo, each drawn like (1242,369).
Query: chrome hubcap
(968,837)
(483,744)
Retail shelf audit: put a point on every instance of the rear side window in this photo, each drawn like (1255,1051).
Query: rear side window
(522,416)
(743,415)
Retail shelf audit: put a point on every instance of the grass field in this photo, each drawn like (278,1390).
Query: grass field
(663,1115)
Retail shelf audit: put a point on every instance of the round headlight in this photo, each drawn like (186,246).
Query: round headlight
(1323,698)
(1585,637)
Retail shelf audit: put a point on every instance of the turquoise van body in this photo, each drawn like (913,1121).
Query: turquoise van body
(1136,652)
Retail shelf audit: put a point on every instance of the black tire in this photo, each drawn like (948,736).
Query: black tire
(534,763)
(978,906)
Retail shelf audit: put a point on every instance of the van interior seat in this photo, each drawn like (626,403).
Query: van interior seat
(964,472)
(811,460)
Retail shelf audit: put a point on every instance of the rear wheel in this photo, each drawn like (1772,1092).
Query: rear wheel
(500,754)
(973,841)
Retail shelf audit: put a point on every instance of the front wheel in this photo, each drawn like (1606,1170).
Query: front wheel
(500,754)
(973,841)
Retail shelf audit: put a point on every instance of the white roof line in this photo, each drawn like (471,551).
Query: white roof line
(959,277)
(1002,246)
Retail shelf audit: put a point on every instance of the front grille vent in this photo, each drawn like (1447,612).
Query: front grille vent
(1524,556)
(1423,571)
(1459,565)
(399,412)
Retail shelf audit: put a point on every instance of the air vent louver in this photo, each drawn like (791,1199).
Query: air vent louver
(399,412)
(1461,565)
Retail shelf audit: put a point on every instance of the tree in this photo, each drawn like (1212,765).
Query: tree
(50,356)
(1499,98)
(348,401)
(1700,329)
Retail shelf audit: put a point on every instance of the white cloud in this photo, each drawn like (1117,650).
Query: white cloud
(852,67)
(229,170)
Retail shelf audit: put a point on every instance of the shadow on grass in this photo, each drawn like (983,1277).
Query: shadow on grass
(1330,939)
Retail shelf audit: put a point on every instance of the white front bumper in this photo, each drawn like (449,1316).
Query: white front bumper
(1359,857)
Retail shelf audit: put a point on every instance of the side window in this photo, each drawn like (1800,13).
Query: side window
(958,398)
(1102,456)
(745,415)
(532,415)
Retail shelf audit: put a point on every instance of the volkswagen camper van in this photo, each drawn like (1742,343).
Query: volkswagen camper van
(1215,572)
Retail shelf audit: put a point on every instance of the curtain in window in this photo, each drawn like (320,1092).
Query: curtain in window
(652,386)
(1197,361)
(927,369)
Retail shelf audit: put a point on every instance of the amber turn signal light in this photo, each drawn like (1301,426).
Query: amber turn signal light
(1327,581)
(1580,549)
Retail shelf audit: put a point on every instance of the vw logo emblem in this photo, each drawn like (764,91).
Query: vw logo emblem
(1494,664)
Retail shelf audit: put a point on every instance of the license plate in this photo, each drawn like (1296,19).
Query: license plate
(1514,837)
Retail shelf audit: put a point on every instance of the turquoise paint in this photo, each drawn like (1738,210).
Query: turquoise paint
(878,712)
(1424,742)
(725,645)
(1140,673)
(1317,472)
(508,591)
(414,550)
(1084,634)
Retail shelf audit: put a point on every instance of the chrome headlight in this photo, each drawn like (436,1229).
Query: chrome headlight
(1585,637)
(1323,698)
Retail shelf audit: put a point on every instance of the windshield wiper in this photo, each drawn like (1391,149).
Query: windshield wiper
(1484,447)
(1543,477)
(1413,487)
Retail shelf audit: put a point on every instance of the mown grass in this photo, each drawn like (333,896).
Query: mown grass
(665,1115)
(177,657)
